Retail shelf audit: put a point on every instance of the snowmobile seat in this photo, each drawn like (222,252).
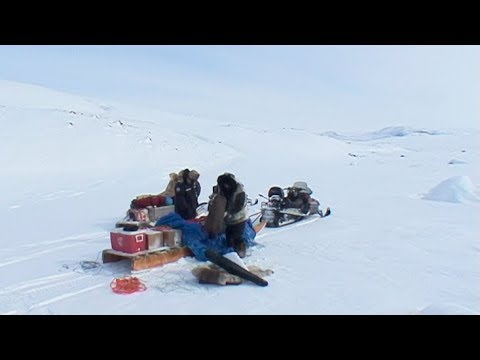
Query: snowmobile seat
(276,190)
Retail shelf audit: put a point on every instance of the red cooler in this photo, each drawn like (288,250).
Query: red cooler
(128,241)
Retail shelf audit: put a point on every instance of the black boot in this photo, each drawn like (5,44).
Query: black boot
(241,249)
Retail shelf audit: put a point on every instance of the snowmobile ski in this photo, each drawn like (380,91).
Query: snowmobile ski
(327,212)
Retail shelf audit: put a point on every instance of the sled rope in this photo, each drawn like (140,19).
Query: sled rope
(127,285)
(258,215)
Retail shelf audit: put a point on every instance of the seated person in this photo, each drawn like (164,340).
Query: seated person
(298,197)
(187,191)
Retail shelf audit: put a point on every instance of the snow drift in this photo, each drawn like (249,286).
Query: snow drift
(457,189)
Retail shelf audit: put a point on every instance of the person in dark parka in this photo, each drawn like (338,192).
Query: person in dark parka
(236,211)
(187,191)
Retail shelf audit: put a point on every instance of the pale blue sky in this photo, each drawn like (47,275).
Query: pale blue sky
(322,87)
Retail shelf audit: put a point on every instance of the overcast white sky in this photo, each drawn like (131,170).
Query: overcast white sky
(321,87)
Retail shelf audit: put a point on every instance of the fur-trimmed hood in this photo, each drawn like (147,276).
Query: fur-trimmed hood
(227,184)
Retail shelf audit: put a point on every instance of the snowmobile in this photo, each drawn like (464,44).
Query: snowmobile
(276,212)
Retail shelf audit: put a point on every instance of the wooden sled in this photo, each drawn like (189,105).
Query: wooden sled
(156,257)
(259,227)
(147,259)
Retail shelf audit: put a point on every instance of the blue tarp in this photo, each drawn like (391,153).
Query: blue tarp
(196,238)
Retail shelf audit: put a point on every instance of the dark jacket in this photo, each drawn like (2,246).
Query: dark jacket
(298,200)
(234,192)
(187,192)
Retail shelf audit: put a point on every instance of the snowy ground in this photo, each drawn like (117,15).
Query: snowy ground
(402,238)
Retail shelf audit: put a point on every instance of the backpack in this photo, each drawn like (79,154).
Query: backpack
(142,201)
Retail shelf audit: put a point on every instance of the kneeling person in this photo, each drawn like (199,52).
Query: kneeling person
(236,211)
